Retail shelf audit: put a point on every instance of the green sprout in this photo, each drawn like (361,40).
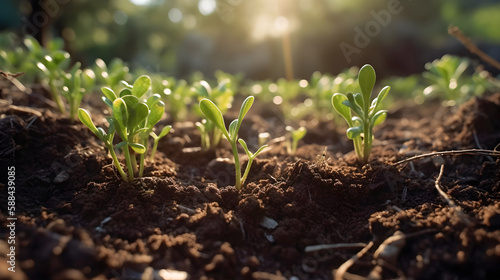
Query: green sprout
(214,115)
(134,120)
(222,95)
(296,135)
(76,84)
(52,66)
(449,80)
(366,113)
(111,75)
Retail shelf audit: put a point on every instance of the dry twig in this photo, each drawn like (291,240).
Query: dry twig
(452,153)
(457,33)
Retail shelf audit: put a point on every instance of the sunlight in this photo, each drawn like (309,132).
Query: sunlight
(207,7)
(175,15)
(142,2)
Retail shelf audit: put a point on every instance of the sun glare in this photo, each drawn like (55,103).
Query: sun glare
(207,7)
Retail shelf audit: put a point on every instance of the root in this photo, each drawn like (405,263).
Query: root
(341,272)
(463,217)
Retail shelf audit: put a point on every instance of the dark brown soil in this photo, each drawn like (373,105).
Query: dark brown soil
(77,220)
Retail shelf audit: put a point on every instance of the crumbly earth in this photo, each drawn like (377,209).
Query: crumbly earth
(184,220)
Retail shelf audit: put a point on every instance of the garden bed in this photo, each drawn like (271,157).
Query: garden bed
(78,220)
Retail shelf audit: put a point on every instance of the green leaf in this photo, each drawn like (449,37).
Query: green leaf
(126,92)
(141,86)
(382,94)
(200,127)
(109,93)
(101,65)
(299,133)
(223,85)
(85,118)
(247,151)
(354,132)
(120,113)
(112,127)
(358,98)
(126,85)
(260,150)
(138,114)
(379,118)
(121,145)
(351,103)
(165,131)
(131,102)
(338,100)
(107,101)
(213,114)
(366,79)
(32,44)
(153,135)
(138,148)
(153,99)
(245,147)
(233,132)
(60,58)
(245,107)
(102,134)
(204,89)
(156,113)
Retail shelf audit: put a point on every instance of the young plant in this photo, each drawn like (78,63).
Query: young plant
(449,80)
(53,68)
(133,119)
(76,84)
(222,96)
(213,114)
(366,113)
(111,76)
(296,135)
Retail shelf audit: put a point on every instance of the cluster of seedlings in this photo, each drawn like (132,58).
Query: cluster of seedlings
(136,109)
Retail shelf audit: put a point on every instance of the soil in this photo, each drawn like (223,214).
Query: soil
(185,220)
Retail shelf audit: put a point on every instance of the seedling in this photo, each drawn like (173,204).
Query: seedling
(213,114)
(366,113)
(448,80)
(111,76)
(76,84)
(176,94)
(133,119)
(52,67)
(296,135)
(223,98)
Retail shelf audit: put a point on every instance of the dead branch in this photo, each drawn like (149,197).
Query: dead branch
(457,33)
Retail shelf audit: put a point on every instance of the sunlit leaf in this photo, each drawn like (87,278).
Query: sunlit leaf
(141,86)
(213,114)
(354,132)
(337,102)
(366,80)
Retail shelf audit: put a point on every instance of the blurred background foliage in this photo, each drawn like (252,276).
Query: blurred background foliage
(180,37)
